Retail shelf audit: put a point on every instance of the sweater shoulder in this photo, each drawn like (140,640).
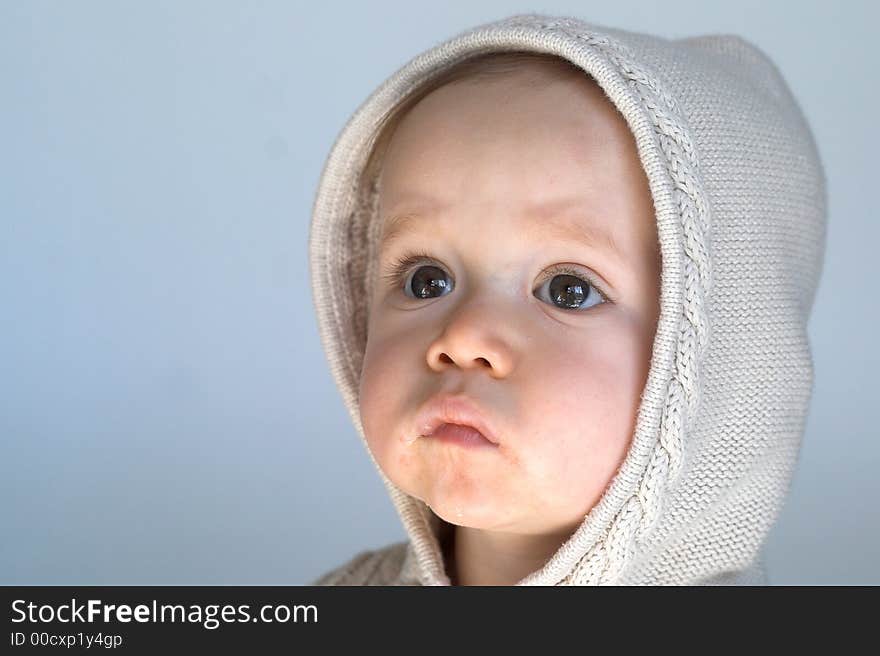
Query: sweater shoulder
(369,567)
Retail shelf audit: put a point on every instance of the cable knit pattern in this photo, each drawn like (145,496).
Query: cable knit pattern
(739,195)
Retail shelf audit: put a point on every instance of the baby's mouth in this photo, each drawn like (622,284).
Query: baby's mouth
(455,419)
(460,435)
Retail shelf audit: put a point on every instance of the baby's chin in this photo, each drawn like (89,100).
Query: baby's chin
(464,516)
(479,508)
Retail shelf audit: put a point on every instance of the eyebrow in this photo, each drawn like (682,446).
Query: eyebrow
(558,225)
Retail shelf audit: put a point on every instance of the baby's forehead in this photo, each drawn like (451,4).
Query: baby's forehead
(527,161)
(466,117)
(544,222)
(544,163)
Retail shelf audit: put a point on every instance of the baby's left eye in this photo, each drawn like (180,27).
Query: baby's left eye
(570,290)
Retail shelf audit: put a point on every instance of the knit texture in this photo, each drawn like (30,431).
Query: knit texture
(740,202)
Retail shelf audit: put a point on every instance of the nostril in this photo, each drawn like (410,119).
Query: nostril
(484,361)
(445,358)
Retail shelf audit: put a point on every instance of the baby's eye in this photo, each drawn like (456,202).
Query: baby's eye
(570,289)
(424,281)
(428,282)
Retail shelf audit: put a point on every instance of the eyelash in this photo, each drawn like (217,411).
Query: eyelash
(398,269)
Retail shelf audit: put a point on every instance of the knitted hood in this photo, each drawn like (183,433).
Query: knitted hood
(739,198)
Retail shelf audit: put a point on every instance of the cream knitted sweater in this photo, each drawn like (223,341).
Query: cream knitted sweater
(740,201)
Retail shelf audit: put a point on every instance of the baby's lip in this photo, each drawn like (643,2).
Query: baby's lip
(453,409)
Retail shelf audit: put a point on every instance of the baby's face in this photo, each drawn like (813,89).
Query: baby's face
(512,194)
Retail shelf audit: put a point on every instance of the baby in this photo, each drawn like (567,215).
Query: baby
(501,323)
(518,292)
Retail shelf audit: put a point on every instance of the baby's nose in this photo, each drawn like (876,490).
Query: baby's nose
(472,339)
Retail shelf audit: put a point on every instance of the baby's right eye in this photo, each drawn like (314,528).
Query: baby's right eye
(425,281)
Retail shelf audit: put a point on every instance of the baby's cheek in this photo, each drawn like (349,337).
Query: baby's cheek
(385,391)
(373,410)
(580,427)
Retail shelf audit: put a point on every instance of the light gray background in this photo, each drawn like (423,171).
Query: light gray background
(166,411)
